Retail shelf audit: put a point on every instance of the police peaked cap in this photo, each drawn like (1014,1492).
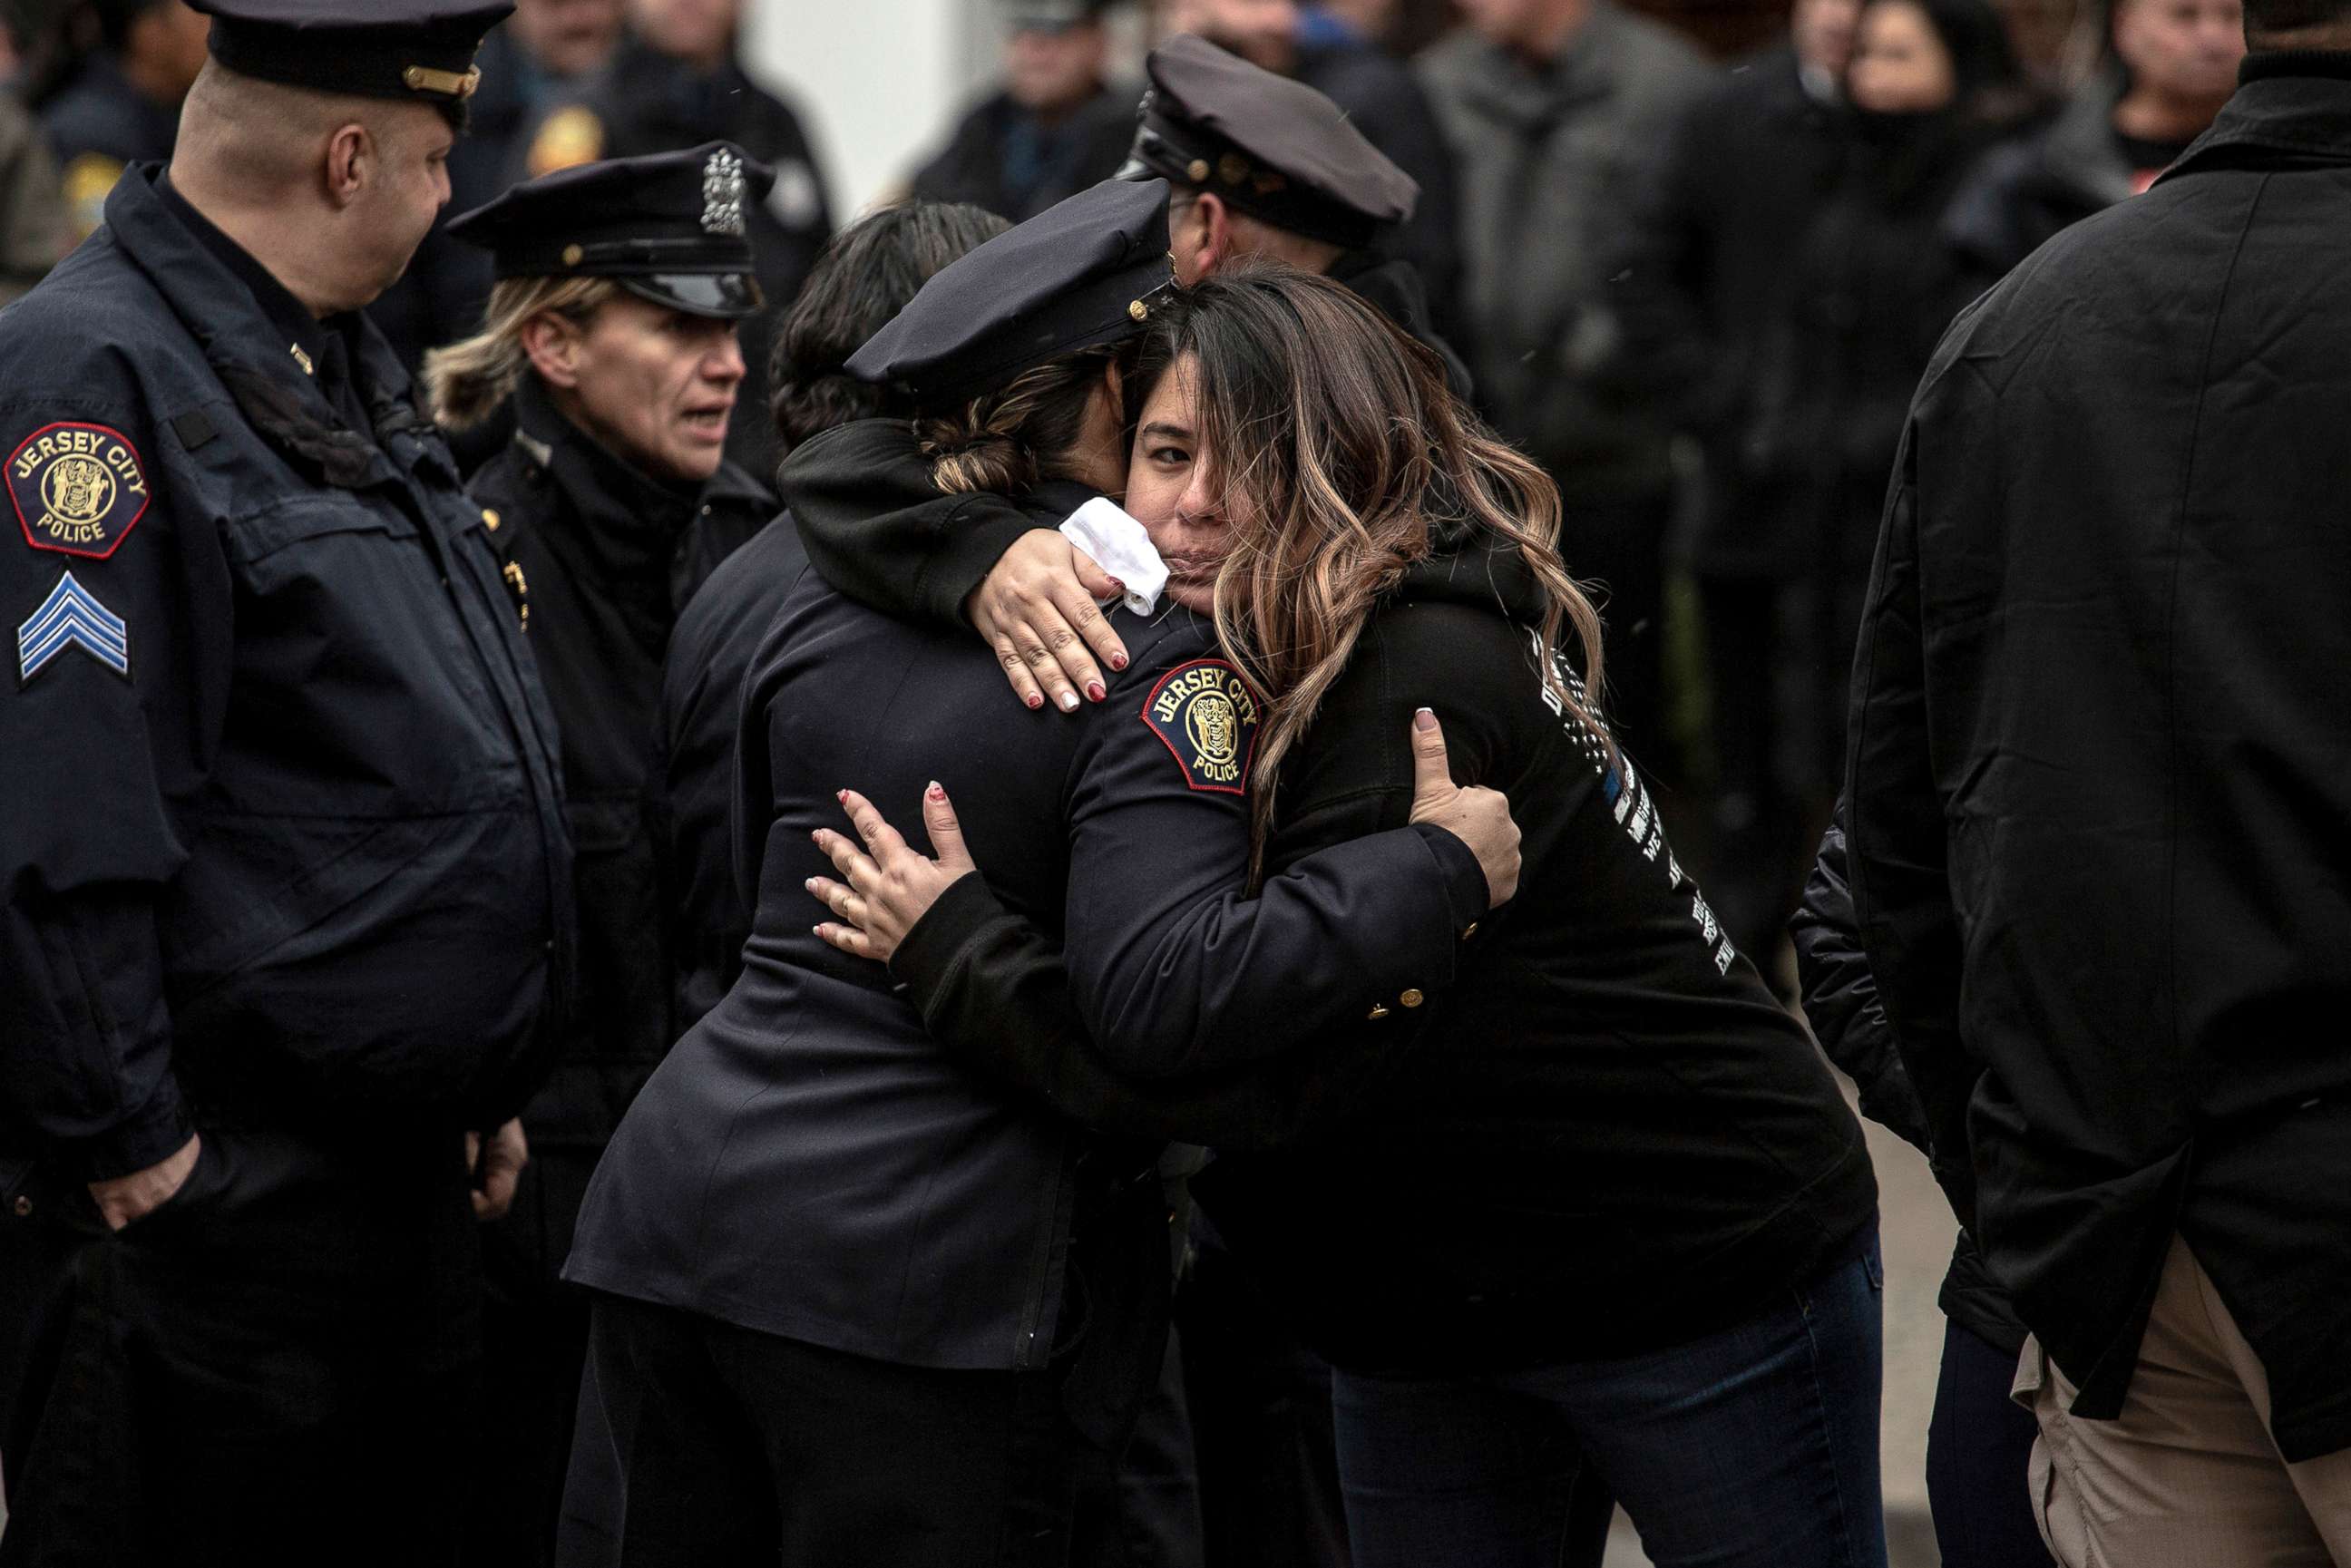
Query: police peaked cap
(1087,271)
(673,227)
(1270,147)
(419,50)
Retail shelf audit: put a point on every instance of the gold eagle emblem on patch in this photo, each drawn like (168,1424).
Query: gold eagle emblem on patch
(1206,717)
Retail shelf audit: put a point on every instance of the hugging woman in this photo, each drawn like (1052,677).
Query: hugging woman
(1610,1208)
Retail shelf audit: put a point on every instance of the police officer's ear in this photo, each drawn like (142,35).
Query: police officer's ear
(354,162)
(1201,236)
(552,343)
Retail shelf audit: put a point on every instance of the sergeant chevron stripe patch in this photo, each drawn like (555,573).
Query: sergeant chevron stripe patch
(71,617)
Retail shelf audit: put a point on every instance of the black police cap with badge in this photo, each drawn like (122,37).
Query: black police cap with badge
(1087,271)
(1265,145)
(671,227)
(421,49)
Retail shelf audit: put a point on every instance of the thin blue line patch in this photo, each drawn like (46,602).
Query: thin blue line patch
(71,617)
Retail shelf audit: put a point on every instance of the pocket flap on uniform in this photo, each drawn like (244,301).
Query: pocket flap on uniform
(261,534)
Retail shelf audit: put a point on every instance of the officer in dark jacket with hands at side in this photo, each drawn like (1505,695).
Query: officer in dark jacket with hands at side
(286,879)
(2097,790)
(613,334)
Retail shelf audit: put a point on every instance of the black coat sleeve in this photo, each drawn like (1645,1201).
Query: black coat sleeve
(1841,999)
(1896,828)
(994,986)
(97,758)
(881,532)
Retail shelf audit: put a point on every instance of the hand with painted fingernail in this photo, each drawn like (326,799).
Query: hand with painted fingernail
(887,886)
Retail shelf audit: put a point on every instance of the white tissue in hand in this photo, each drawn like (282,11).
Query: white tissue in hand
(1103,529)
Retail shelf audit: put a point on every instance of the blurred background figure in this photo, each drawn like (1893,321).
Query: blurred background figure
(2173,65)
(676,82)
(1378,94)
(1705,282)
(1555,109)
(126,66)
(33,233)
(1055,125)
(540,57)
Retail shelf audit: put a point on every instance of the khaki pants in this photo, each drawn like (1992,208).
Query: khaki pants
(2188,1476)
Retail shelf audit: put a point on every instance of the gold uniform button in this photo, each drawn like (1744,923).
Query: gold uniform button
(1471,932)
(23,1207)
(1412,999)
(1378,1012)
(1138,309)
(490,518)
(572,255)
(1198,170)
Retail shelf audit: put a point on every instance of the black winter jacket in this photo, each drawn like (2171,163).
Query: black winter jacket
(2099,762)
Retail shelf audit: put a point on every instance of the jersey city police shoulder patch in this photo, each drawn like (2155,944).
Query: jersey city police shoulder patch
(1206,717)
(79,490)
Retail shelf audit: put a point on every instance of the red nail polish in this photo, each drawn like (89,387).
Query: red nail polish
(1118,661)
(1095,690)
(936,793)
(1035,703)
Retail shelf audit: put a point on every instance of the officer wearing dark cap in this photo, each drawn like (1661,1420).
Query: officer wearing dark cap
(611,335)
(858,1303)
(286,867)
(1054,125)
(1263,166)
(676,82)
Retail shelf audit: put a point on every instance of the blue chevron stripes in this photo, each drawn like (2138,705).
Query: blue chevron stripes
(71,617)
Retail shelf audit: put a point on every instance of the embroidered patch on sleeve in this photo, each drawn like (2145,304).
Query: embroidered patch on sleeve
(1206,717)
(71,617)
(78,489)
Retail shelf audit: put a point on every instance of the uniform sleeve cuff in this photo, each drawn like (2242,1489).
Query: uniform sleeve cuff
(933,951)
(1466,893)
(159,1130)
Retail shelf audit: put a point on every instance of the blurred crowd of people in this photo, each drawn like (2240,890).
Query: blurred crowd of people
(1698,292)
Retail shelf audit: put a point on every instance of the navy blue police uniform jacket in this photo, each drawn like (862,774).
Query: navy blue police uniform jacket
(809,1163)
(284,830)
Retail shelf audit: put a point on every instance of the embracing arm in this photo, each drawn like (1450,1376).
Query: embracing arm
(995,986)
(878,529)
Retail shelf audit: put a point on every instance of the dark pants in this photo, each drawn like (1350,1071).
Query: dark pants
(1260,1404)
(1755,1448)
(732,1447)
(1979,1445)
(535,1344)
(280,1365)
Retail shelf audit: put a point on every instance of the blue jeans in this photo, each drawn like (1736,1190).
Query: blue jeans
(1755,1448)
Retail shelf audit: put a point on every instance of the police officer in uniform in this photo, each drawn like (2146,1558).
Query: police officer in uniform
(675,81)
(1263,166)
(1053,127)
(286,872)
(611,334)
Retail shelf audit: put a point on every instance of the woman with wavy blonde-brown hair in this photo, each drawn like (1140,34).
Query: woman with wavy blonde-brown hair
(1611,1209)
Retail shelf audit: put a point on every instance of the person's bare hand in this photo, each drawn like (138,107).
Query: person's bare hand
(496,1169)
(1479,818)
(1037,609)
(890,884)
(126,1198)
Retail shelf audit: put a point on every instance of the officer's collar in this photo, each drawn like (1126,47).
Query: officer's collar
(305,336)
(2294,105)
